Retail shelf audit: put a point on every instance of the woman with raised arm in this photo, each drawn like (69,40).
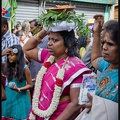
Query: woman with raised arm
(105,59)
(58,82)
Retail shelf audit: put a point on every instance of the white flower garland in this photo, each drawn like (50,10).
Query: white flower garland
(56,95)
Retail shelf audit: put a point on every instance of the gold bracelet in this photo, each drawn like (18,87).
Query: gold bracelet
(38,37)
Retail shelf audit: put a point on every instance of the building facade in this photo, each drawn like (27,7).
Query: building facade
(114,11)
(31,9)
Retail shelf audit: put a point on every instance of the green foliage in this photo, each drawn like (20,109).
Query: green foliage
(13,6)
(47,19)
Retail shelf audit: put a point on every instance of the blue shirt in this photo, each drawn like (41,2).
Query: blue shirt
(8,40)
(107,82)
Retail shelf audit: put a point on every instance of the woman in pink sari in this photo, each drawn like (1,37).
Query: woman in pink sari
(58,82)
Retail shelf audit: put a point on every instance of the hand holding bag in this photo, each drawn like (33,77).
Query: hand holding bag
(102,109)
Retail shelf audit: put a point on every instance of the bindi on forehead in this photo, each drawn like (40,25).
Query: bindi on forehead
(106,39)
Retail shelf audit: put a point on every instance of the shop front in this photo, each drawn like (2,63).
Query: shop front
(30,9)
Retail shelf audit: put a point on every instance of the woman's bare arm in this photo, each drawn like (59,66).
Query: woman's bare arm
(28,82)
(72,108)
(30,48)
(96,47)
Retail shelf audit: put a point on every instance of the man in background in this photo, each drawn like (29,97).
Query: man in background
(8,40)
(34,27)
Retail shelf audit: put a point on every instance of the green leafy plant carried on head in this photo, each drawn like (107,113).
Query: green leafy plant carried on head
(52,16)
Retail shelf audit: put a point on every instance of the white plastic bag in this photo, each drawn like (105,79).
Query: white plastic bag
(102,109)
(88,86)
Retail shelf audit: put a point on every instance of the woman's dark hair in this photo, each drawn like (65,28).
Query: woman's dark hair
(35,21)
(70,42)
(112,29)
(17,66)
(19,33)
(17,26)
(82,41)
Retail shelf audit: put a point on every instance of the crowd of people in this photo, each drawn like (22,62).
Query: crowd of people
(42,71)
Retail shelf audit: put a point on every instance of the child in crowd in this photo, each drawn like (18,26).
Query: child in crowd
(17,104)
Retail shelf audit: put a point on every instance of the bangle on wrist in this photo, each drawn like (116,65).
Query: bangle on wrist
(38,37)
(42,34)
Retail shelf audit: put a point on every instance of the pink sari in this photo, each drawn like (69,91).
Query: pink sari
(73,77)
